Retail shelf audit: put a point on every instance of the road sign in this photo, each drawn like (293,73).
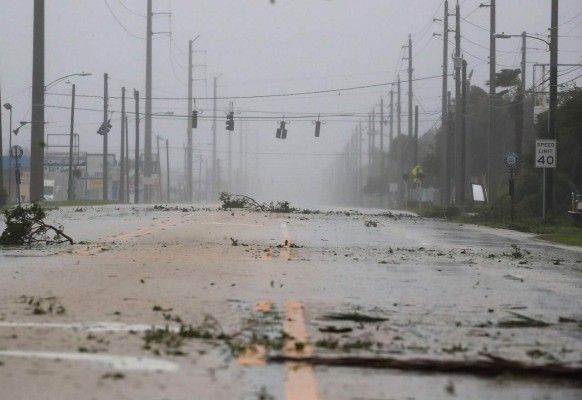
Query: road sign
(546,153)
(511,160)
(16,152)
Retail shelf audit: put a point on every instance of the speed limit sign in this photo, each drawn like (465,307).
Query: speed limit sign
(546,153)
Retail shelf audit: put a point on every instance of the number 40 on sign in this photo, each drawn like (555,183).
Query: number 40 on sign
(546,154)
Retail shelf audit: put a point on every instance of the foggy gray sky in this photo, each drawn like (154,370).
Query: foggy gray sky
(261,49)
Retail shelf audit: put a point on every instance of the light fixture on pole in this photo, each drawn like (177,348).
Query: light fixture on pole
(62,78)
(523,36)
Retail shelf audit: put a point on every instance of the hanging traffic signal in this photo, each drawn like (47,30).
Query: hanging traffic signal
(318,126)
(281,131)
(194,119)
(104,128)
(230,121)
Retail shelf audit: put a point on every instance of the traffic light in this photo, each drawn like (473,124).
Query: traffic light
(104,128)
(194,119)
(230,121)
(281,131)
(317,128)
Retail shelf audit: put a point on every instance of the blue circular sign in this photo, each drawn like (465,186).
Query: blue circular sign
(16,152)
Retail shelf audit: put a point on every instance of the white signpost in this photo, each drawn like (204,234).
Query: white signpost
(546,156)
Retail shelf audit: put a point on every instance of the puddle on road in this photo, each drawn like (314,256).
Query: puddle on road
(121,363)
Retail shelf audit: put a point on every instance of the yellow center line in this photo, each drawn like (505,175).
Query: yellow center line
(300,383)
(124,237)
(256,355)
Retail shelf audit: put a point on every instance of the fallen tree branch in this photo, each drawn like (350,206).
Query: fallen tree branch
(491,367)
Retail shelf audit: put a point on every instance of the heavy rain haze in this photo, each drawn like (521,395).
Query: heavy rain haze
(293,61)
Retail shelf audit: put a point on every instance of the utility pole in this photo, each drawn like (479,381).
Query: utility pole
(410,112)
(391,119)
(229,166)
(444,172)
(398,111)
(70,191)
(415,136)
(360,174)
(2,149)
(369,143)
(189,150)
(37,123)
(168,169)
(492,100)
(126,123)
(123,167)
(401,146)
(214,166)
(136,174)
(458,114)
(463,139)
(159,164)
(373,130)
(148,107)
(550,194)
(189,132)
(240,160)
(105,135)
(381,135)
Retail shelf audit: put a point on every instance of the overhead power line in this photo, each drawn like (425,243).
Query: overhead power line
(345,89)
(119,22)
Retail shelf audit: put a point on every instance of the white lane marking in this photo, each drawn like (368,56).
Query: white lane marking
(122,363)
(94,327)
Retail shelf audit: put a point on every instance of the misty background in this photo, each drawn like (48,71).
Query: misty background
(291,60)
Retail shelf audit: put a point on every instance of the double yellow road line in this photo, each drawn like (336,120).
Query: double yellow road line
(300,382)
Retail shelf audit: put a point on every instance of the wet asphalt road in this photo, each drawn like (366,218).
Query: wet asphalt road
(89,320)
